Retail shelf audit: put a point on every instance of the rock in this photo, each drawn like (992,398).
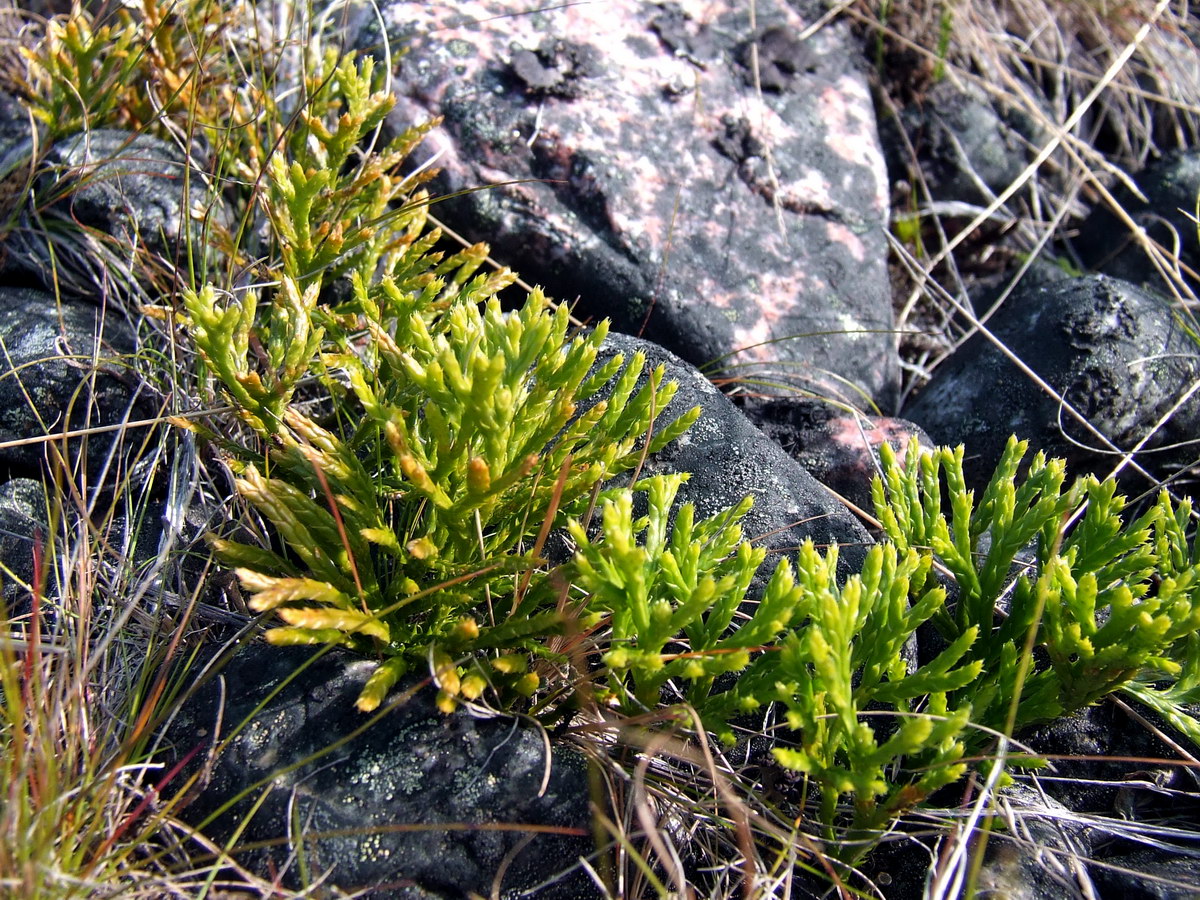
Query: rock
(129,193)
(1104,763)
(838,446)
(1171,186)
(729,458)
(624,159)
(898,868)
(23,518)
(56,376)
(418,805)
(968,150)
(1116,353)
(1124,781)
(18,138)
(157,555)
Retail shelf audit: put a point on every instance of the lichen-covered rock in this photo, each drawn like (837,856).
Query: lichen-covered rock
(106,195)
(1116,353)
(1168,214)
(417,805)
(627,160)
(837,445)
(729,458)
(63,370)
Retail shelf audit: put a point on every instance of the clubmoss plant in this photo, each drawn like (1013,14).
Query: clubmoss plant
(1173,698)
(826,653)
(410,529)
(82,72)
(1102,601)
(189,67)
(331,206)
(683,585)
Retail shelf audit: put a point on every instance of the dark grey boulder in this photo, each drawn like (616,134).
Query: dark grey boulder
(1116,353)
(112,207)
(155,558)
(1171,186)
(66,367)
(728,458)
(898,867)
(1125,782)
(837,445)
(1109,763)
(417,805)
(627,162)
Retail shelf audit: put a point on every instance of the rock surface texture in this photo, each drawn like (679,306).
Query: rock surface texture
(1042,851)
(417,805)
(1170,185)
(62,371)
(967,148)
(1115,353)
(131,194)
(712,187)
(728,458)
(1128,858)
(838,446)
(22,523)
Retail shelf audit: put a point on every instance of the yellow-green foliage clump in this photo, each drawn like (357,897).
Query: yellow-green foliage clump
(1096,607)
(413,521)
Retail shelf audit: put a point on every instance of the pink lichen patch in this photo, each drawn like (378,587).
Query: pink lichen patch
(899,433)
(840,234)
(856,433)
(809,190)
(771,313)
(845,110)
(718,298)
(643,220)
(860,434)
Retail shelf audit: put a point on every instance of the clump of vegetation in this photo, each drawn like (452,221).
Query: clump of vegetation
(415,537)
(825,652)
(1106,600)
(415,533)
(1097,606)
